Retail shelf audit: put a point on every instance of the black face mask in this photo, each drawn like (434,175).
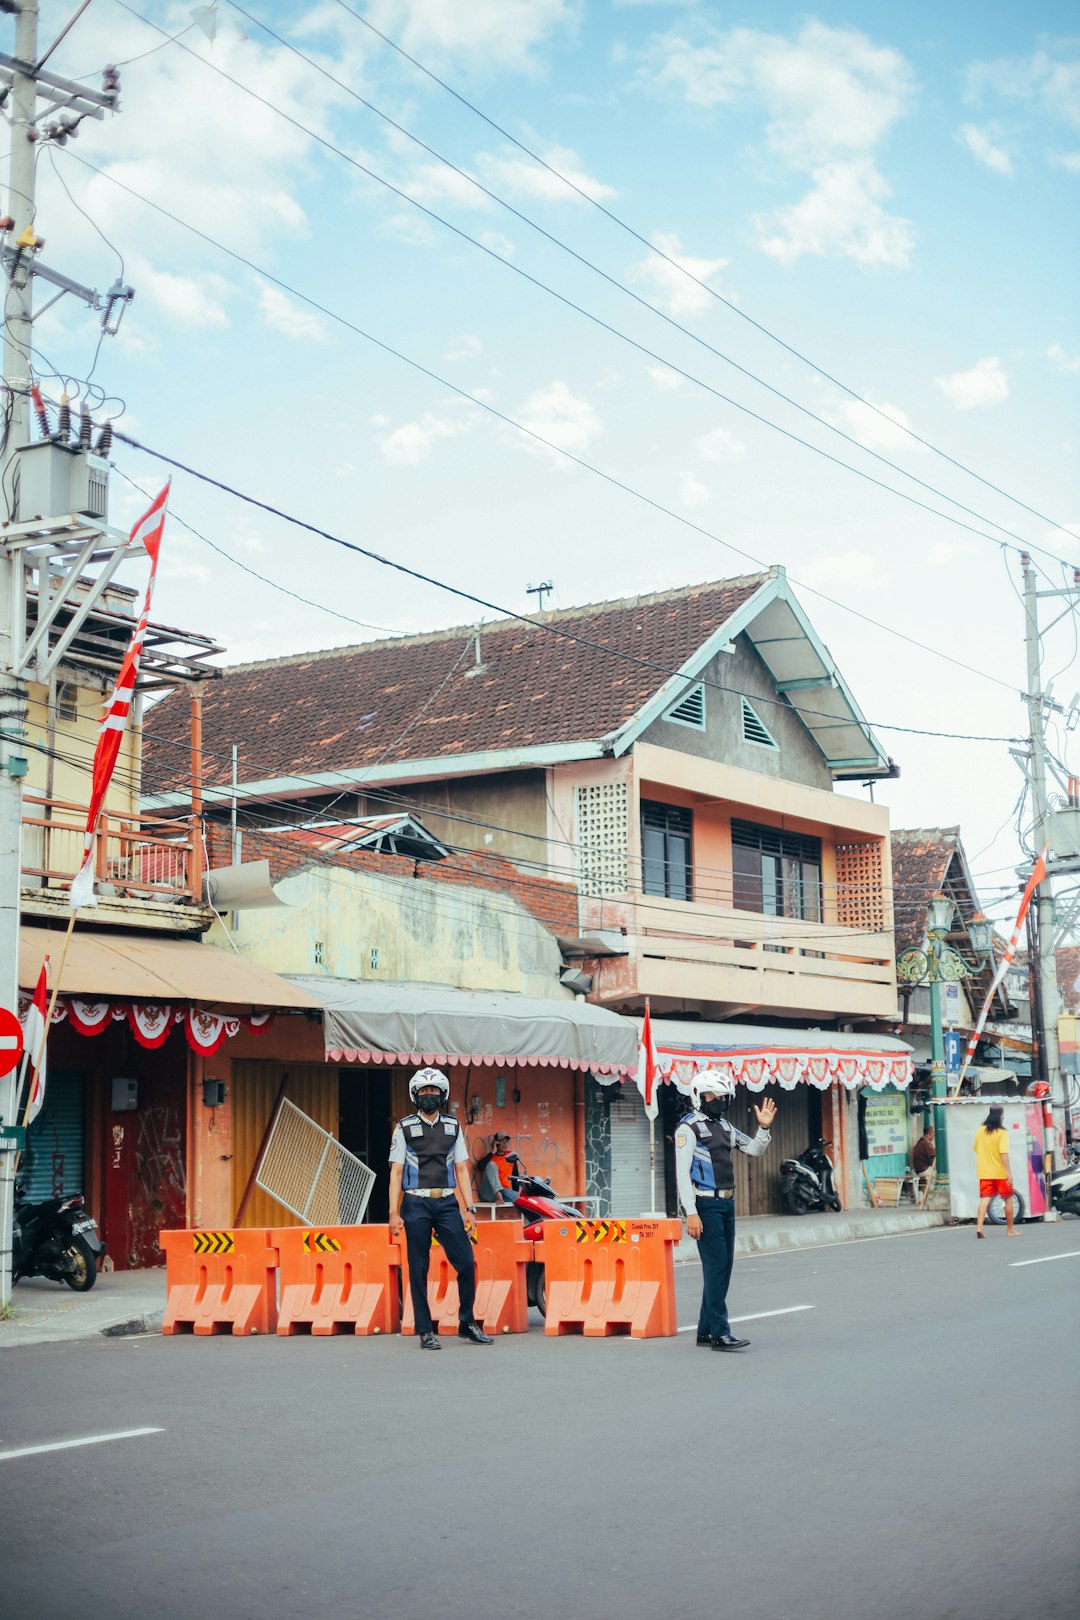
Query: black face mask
(714,1107)
(428,1102)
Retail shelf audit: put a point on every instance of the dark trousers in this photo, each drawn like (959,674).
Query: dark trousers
(716,1246)
(424,1219)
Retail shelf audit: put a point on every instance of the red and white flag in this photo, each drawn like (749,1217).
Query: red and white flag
(33,1031)
(147,532)
(1037,874)
(646,1068)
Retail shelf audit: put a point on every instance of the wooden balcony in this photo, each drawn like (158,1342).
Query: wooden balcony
(149,870)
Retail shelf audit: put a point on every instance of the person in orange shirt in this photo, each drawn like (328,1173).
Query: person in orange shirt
(992,1167)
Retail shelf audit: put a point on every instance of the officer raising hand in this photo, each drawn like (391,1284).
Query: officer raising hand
(430,1194)
(705,1173)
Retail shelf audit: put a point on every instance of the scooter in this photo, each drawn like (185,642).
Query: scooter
(808,1183)
(57,1239)
(1065,1189)
(537,1202)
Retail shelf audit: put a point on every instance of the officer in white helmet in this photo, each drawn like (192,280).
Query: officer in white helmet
(430,1194)
(704,1142)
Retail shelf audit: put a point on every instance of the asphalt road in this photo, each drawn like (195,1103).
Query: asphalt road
(907,1447)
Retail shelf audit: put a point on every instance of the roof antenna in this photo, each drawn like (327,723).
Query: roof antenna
(540,591)
(478,665)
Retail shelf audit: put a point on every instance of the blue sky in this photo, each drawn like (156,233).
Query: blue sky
(891,191)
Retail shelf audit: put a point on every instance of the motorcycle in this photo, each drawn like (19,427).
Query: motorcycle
(1065,1189)
(537,1202)
(56,1239)
(808,1183)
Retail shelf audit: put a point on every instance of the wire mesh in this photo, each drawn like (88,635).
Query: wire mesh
(308,1170)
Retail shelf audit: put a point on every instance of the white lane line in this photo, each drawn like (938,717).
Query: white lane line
(1073,1254)
(67,1445)
(785,1310)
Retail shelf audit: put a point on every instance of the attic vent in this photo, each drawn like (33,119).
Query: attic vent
(689,710)
(67,701)
(754,729)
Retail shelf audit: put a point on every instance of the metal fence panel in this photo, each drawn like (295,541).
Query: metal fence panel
(308,1170)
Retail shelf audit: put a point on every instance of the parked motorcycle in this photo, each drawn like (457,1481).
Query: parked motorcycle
(1065,1189)
(57,1239)
(808,1183)
(537,1202)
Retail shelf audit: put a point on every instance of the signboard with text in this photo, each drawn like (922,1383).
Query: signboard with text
(886,1125)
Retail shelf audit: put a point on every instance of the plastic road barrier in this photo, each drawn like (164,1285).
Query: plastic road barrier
(338,1279)
(502,1302)
(606,1277)
(220,1282)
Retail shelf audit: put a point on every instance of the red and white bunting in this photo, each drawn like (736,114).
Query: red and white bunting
(147,532)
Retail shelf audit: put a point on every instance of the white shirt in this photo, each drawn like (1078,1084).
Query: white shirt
(685,1140)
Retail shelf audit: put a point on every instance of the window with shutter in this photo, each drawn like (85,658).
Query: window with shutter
(667,832)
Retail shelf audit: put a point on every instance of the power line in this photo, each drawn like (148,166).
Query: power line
(528,432)
(689,274)
(615,331)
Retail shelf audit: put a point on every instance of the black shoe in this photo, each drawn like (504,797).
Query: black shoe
(473,1333)
(430,1341)
(704,1339)
(727,1342)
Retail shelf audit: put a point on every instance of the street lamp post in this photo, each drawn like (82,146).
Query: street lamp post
(939,964)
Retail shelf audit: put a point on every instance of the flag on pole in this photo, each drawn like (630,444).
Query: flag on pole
(33,1031)
(147,532)
(646,1068)
(1037,874)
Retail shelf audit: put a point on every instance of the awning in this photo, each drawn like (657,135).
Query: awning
(760,1056)
(132,967)
(374,1022)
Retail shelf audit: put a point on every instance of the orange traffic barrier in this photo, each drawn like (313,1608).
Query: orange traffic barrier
(338,1279)
(608,1276)
(502,1303)
(219,1282)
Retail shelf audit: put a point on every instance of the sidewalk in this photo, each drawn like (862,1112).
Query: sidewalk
(120,1302)
(126,1302)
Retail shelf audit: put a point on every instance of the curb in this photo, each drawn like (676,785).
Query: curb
(148,1323)
(817,1234)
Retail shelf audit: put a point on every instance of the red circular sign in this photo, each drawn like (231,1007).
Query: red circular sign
(11,1041)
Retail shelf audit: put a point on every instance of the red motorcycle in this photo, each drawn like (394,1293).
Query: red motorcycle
(537,1202)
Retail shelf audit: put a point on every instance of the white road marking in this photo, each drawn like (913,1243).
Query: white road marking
(785,1310)
(1073,1254)
(67,1445)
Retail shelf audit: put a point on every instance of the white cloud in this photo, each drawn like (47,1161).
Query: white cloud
(984,384)
(512,171)
(720,445)
(1062,361)
(498,243)
(1069,161)
(692,492)
(413,442)
(845,569)
(435,183)
(668,287)
(561,417)
(1051,84)
(1066,538)
(189,302)
(830,96)
(980,145)
(407,227)
(464,348)
(477,33)
(296,322)
(839,217)
(888,430)
(666,379)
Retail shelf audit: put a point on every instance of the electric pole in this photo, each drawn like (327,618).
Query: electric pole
(1049,1001)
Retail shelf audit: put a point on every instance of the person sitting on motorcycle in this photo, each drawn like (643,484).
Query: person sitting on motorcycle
(494,1172)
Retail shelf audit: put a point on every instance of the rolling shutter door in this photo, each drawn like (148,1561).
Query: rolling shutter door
(54,1142)
(630,1154)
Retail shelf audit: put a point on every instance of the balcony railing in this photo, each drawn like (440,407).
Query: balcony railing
(134,856)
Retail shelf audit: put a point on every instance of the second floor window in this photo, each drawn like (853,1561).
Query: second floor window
(666,839)
(776,872)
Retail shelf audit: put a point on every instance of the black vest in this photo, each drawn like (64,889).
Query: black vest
(713,1138)
(429,1151)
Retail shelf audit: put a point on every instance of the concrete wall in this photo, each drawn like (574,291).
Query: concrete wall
(359,925)
(506,813)
(797,759)
(75,740)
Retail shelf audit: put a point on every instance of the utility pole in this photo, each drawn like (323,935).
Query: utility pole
(1049,1005)
(18,307)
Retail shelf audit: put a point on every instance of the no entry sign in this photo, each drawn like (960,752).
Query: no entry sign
(11,1041)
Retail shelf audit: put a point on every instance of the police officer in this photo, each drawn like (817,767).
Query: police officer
(706,1178)
(430,1193)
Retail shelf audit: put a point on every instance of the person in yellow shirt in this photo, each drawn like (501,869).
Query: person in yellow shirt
(992,1168)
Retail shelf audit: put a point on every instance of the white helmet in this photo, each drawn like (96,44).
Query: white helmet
(710,1082)
(429,1080)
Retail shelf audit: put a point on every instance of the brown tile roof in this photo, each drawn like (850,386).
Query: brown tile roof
(552,903)
(1068,976)
(921,857)
(418,697)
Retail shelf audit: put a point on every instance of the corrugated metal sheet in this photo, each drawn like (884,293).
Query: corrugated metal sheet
(757,1181)
(630,1153)
(54,1143)
(312,1087)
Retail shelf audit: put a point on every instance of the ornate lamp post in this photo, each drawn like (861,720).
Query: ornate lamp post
(940,964)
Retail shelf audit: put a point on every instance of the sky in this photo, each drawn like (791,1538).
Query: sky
(879,208)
